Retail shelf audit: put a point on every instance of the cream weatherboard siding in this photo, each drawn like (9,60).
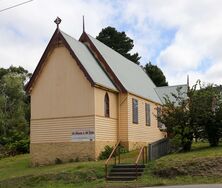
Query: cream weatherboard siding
(58,129)
(141,132)
(61,89)
(62,100)
(106,127)
(123,128)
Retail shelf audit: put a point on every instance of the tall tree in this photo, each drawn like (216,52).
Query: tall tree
(119,42)
(175,115)
(14,111)
(197,113)
(206,105)
(156,74)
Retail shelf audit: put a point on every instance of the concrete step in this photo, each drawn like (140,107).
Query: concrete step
(129,166)
(126,170)
(121,178)
(125,174)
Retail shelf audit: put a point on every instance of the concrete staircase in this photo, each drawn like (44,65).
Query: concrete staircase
(125,172)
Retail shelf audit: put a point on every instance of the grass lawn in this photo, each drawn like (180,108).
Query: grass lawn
(201,165)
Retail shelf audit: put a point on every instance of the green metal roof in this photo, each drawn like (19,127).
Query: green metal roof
(89,62)
(169,90)
(132,76)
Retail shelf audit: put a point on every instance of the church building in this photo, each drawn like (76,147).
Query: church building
(84,96)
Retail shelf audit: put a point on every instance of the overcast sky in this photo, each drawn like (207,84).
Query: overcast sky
(182,37)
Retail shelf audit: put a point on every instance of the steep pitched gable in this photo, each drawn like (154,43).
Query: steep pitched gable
(89,63)
(103,66)
(131,76)
(83,57)
(86,40)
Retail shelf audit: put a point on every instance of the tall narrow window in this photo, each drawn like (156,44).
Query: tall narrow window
(106,105)
(135,111)
(147,112)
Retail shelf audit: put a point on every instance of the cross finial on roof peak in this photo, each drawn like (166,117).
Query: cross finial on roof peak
(58,21)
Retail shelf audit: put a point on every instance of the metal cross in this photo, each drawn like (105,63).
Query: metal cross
(57,21)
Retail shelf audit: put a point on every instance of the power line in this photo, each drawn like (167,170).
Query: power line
(19,4)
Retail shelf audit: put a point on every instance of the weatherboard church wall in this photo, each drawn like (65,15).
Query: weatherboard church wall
(63,101)
(140,134)
(132,135)
(61,88)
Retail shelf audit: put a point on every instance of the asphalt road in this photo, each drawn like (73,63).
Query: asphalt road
(191,186)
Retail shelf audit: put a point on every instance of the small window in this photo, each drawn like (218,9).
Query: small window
(147,112)
(159,124)
(135,111)
(106,105)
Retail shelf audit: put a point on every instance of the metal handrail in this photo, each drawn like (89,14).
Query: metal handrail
(143,152)
(110,156)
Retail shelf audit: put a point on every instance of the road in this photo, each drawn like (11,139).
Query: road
(191,186)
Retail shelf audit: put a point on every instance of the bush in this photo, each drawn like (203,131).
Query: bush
(123,150)
(207,105)
(18,147)
(106,153)
(3,152)
(213,132)
(108,150)
(77,159)
(58,161)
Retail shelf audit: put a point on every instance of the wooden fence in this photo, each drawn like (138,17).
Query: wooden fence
(159,148)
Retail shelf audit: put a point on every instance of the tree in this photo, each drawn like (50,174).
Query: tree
(175,116)
(156,74)
(206,108)
(14,110)
(195,114)
(119,42)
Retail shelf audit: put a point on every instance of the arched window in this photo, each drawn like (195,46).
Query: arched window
(106,105)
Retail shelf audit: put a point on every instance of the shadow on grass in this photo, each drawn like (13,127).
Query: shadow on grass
(201,146)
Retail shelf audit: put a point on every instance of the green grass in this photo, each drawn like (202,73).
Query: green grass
(199,150)
(16,171)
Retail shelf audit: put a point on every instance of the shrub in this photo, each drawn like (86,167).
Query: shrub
(105,153)
(108,150)
(17,147)
(77,159)
(123,150)
(90,159)
(58,161)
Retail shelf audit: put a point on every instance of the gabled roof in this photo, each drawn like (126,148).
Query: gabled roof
(169,90)
(131,76)
(89,62)
(84,59)
(103,66)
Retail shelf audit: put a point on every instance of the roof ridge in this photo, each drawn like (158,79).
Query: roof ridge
(75,46)
(171,86)
(131,75)
(70,36)
(158,94)
(113,50)
(134,64)
(148,77)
